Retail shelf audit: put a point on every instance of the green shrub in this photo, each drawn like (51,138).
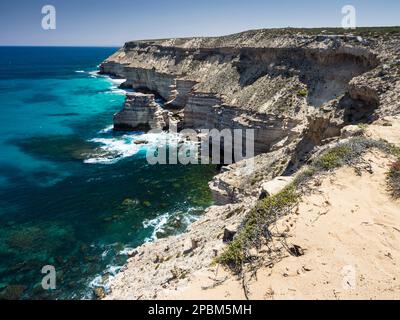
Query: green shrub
(254,227)
(394,151)
(394,179)
(302,93)
(304,176)
(363,126)
(333,158)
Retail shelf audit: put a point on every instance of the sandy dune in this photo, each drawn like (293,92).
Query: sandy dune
(349,229)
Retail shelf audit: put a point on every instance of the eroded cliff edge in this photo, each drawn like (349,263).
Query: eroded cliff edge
(297,88)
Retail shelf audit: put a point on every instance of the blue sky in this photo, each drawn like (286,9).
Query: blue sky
(112,22)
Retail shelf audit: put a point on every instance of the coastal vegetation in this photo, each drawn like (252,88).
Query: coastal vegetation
(394,179)
(333,158)
(360,31)
(302,93)
(255,229)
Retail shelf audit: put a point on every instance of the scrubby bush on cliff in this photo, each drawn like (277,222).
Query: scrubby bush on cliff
(254,230)
(333,158)
(394,179)
(302,93)
(255,227)
(350,153)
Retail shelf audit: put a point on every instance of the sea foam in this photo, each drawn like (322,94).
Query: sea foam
(118,148)
(157,224)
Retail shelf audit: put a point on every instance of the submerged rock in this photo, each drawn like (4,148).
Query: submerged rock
(129,202)
(25,238)
(139,142)
(12,292)
(62,148)
(147,203)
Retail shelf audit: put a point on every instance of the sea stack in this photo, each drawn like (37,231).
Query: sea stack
(140,112)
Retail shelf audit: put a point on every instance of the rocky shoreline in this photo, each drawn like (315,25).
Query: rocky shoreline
(298,89)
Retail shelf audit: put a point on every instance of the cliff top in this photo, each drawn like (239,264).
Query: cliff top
(274,37)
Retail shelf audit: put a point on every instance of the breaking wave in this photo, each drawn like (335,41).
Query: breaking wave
(128,145)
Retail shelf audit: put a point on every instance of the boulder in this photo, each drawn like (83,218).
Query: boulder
(12,292)
(276,185)
(139,142)
(190,245)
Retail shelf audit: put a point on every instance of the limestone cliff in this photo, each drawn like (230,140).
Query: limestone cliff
(270,80)
(297,88)
(294,87)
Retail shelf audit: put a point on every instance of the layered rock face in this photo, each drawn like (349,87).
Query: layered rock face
(270,79)
(141,78)
(295,88)
(181,92)
(206,111)
(140,112)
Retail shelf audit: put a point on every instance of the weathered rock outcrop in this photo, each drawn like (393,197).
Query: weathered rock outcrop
(206,111)
(142,78)
(140,112)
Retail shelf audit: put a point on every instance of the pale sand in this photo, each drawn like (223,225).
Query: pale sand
(387,128)
(350,231)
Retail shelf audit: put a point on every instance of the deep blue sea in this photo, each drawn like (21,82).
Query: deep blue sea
(73,193)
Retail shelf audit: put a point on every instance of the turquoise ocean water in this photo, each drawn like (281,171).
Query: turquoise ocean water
(74,194)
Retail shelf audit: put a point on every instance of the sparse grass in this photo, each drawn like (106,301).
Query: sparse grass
(361,31)
(302,93)
(362,126)
(255,227)
(394,151)
(304,176)
(350,153)
(396,65)
(333,158)
(365,32)
(394,179)
(257,178)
